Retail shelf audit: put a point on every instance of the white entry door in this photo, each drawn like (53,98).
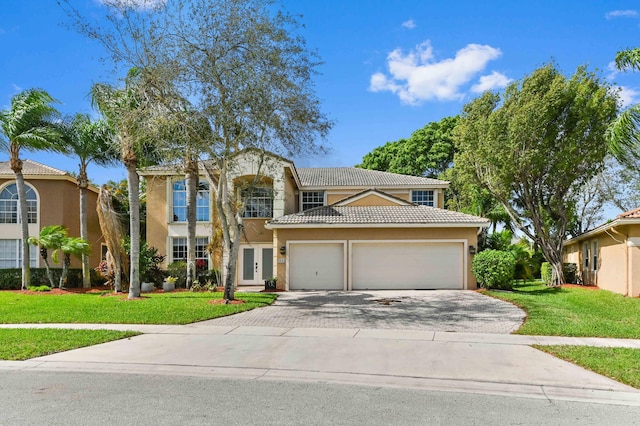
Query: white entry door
(255,264)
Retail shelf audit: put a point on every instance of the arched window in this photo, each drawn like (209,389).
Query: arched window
(180,201)
(10,207)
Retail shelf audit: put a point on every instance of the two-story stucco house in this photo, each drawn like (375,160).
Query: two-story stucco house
(52,199)
(338,228)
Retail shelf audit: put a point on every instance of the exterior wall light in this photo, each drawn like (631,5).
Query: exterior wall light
(472,249)
(283,249)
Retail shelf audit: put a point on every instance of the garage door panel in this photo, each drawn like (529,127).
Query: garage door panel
(389,265)
(317,266)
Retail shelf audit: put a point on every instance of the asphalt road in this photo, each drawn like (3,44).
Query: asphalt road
(52,398)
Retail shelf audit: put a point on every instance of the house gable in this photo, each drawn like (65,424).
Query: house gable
(372,197)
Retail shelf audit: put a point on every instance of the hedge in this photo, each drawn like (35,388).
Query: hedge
(11,279)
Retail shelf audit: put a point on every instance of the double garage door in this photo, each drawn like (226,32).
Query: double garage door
(376,265)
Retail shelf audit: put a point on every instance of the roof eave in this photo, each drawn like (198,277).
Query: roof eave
(602,228)
(269,225)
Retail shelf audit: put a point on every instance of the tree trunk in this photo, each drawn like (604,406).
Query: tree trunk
(65,270)
(134,227)
(82,185)
(24,226)
(44,254)
(192,185)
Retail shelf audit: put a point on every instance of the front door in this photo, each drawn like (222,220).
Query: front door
(255,264)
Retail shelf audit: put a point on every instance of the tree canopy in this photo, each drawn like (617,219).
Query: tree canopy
(428,152)
(535,146)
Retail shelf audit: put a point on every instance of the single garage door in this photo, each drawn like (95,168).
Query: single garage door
(406,266)
(316,266)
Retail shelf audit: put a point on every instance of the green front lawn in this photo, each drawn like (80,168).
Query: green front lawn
(620,364)
(577,312)
(157,308)
(23,343)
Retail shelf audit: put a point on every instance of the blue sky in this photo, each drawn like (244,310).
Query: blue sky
(390,67)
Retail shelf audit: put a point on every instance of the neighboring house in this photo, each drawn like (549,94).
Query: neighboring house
(52,199)
(336,228)
(609,255)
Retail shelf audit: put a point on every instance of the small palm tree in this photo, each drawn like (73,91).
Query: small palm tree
(51,238)
(71,246)
(28,125)
(90,141)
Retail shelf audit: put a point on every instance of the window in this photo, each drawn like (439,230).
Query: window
(594,255)
(9,206)
(585,255)
(259,203)
(423,198)
(11,254)
(180,201)
(179,251)
(311,199)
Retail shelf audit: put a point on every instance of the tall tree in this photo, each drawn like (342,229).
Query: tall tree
(129,110)
(28,125)
(623,135)
(535,146)
(247,72)
(91,142)
(428,152)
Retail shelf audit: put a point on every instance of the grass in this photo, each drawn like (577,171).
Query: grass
(160,308)
(576,312)
(24,343)
(620,364)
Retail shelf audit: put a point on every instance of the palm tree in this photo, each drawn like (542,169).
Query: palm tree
(623,135)
(50,239)
(71,246)
(128,111)
(27,125)
(90,141)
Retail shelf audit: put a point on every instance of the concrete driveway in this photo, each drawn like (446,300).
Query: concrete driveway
(440,310)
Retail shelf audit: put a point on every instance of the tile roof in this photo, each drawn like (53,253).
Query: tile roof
(352,176)
(631,214)
(30,167)
(393,215)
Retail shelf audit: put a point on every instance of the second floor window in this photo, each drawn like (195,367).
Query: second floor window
(180,201)
(10,207)
(422,198)
(311,199)
(259,203)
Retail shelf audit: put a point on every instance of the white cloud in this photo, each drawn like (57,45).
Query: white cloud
(136,4)
(628,96)
(410,24)
(495,80)
(16,88)
(621,14)
(417,76)
(613,70)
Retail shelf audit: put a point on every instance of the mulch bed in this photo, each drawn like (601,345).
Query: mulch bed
(224,302)
(586,287)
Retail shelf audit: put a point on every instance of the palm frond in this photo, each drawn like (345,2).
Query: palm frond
(628,59)
(623,137)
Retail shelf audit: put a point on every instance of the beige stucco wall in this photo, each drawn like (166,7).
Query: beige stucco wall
(291,197)
(618,260)
(283,235)
(157,229)
(334,196)
(59,204)
(372,200)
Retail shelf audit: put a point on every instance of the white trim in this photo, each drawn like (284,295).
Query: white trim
(38,203)
(443,185)
(386,191)
(379,225)
(465,254)
(300,203)
(602,228)
(434,194)
(365,194)
(344,254)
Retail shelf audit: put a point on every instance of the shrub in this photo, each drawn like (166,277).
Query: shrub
(39,288)
(546,273)
(212,275)
(178,270)
(494,269)
(570,271)
(11,278)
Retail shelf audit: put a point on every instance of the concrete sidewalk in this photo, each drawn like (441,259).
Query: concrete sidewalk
(462,362)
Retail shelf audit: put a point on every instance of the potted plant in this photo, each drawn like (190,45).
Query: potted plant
(270,284)
(169,283)
(146,287)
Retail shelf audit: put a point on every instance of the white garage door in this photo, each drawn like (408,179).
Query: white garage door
(317,266)
(420,265)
